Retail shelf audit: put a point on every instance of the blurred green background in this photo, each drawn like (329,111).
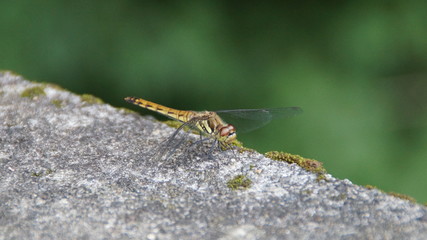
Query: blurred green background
(357,68)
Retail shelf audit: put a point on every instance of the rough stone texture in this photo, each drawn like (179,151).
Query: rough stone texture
(72,169)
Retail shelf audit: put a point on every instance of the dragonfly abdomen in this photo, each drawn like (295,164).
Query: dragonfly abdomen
(180,115)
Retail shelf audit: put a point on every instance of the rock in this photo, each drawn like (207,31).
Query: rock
(73,167)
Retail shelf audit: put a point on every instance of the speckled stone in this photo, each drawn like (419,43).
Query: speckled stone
(78,169)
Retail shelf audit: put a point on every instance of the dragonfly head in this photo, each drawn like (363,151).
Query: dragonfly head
(228,133)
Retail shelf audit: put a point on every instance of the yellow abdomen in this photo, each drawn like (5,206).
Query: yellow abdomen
(180,115)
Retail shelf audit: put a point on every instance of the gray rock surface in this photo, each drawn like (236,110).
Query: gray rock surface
(77,169)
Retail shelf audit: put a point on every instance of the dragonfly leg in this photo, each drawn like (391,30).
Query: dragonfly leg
(215,144)
(168,147)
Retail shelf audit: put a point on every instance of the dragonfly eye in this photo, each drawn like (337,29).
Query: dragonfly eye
(229,132)
(231,136)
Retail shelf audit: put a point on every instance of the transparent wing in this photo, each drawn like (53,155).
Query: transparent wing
(178,142)
(246,120)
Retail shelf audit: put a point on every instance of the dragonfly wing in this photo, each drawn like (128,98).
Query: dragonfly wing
(247,120)
(168,148)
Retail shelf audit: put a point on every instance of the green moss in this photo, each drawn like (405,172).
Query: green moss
(239,182)
(339,197)
(33,92)
(403,196)
(126,110)
(239,144)
(54,86)
(42,173)
(5,71)
(394,194)
(37,174)
(342,197)
(57,103)
(307,192)
(245,149)
(320,177)
(306,163)
(235,144)
(370,187)
(90,99)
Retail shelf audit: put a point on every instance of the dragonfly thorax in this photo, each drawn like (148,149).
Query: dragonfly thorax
(212,124)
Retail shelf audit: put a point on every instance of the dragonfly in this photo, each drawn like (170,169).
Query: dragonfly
(210,123)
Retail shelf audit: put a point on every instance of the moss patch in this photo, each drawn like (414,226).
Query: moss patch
(239,182)
(57,103)
(33,92)
(88,98)
(126,110)
(394,194)
(42,173)
(239,144)
(54,86)
(370,187)
(403,196)
(310,165)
